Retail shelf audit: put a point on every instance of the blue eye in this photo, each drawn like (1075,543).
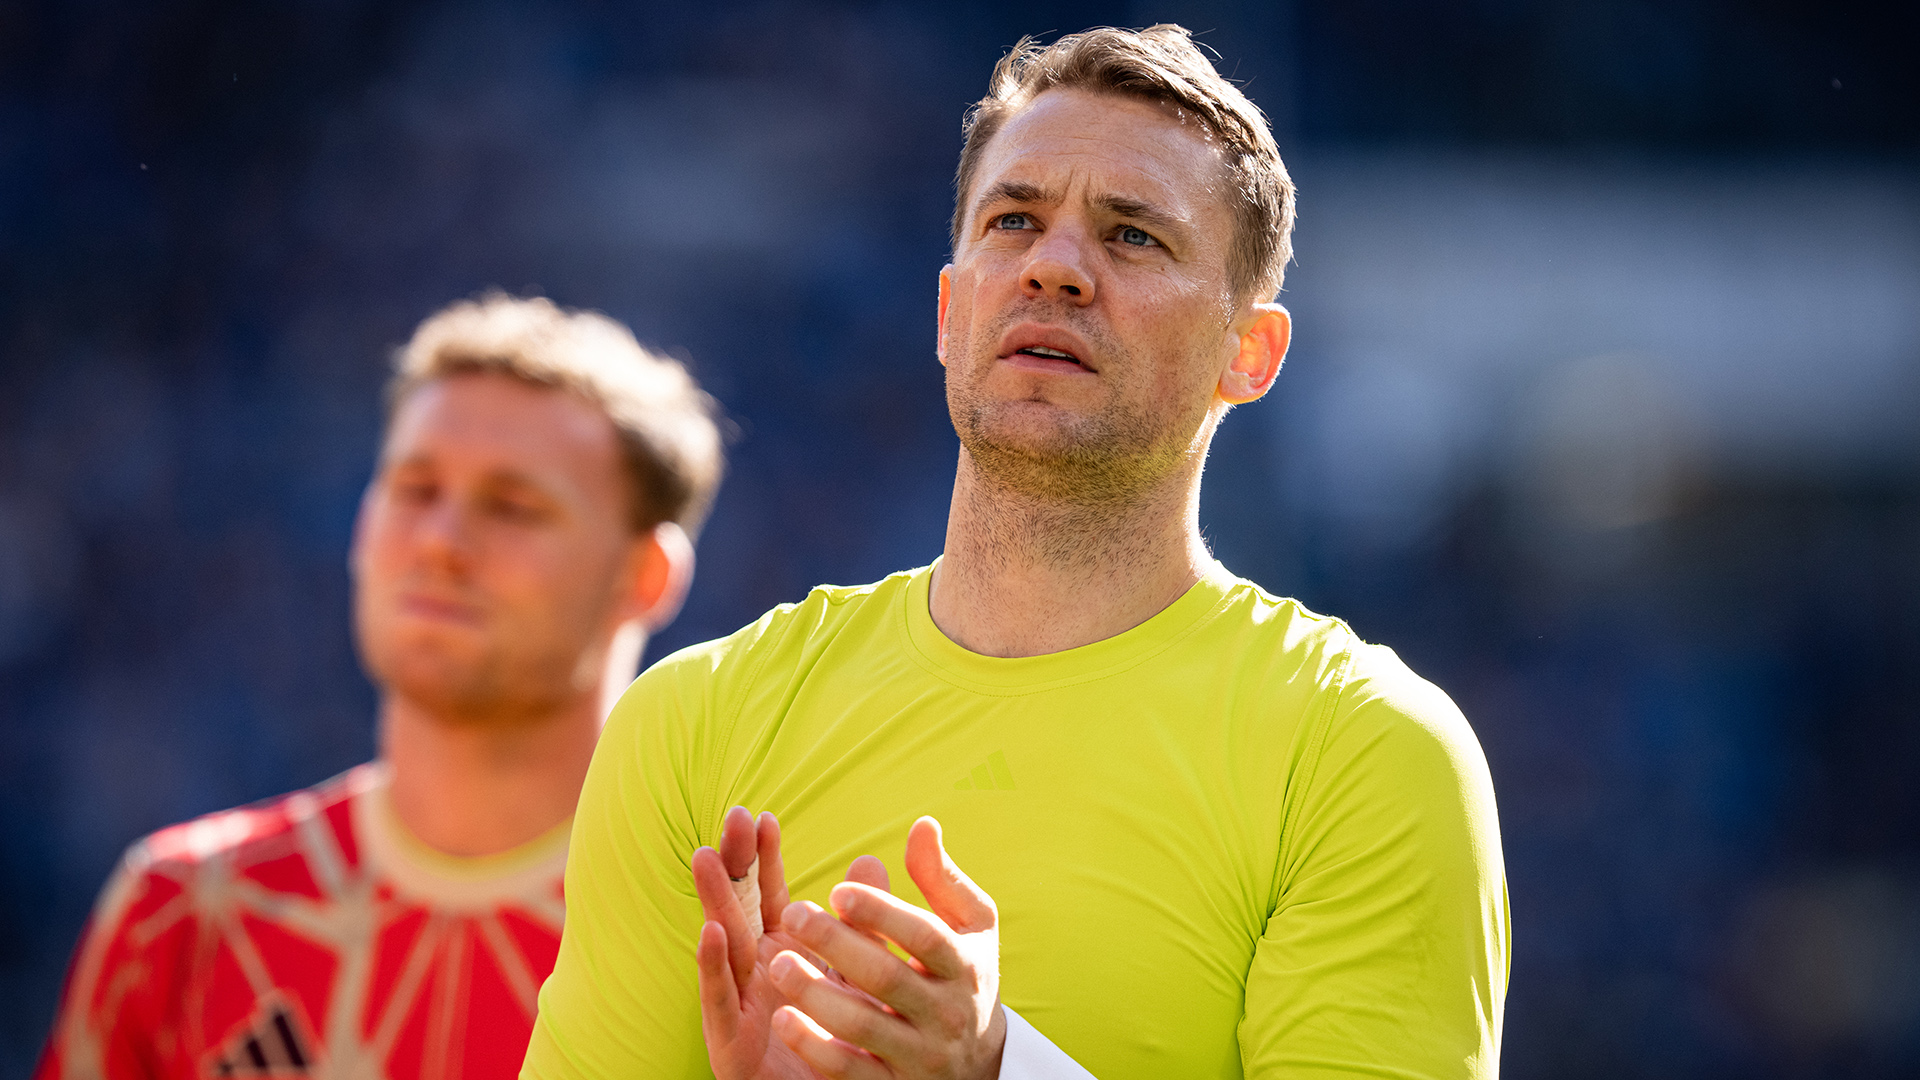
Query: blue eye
(1136,237)
(1012,221)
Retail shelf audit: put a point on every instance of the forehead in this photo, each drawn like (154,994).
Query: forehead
(493,421)
(1108,144)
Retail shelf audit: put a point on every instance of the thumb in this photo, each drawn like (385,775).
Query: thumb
(950,893)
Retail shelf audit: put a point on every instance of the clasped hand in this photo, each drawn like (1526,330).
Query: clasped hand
(817,995)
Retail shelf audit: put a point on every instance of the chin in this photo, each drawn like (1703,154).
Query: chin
(435,648)
(1027,428)
(1045,436)
(439,684)
(431,670)
(1041,449)
(469,703)
(477,687)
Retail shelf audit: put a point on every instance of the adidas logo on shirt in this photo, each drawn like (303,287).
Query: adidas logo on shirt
(988,775)
(266,1046)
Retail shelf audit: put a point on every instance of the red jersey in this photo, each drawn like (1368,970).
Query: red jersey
(310,936)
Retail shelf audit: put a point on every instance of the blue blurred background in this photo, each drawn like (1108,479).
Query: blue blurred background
(1602,411)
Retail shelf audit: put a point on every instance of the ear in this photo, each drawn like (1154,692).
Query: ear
(946,294)
(1263,345)
(662,568)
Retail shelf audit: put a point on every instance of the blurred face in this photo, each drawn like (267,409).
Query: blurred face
(492,557)
(1087,317)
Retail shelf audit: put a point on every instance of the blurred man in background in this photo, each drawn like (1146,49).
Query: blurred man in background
(1209,832)
(526,527)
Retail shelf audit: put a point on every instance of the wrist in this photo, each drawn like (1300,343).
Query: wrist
(997,1040)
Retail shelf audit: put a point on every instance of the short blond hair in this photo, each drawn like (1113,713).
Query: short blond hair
(667,426)
(1160,64)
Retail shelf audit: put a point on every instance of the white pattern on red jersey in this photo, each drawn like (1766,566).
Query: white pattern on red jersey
(310,936)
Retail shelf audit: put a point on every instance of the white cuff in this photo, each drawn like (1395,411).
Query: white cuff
(1032,1056)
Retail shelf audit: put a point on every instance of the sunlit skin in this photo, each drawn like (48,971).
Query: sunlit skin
(1098,229)
(872,1015)
(1097,226)
(499,594)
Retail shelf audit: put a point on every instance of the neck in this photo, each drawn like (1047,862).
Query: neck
(1025,575)
(477,788)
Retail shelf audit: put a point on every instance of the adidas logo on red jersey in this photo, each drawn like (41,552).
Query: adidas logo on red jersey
(267,1045)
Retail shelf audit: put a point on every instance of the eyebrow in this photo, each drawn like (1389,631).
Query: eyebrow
(499,476)
(1145,213)
(1014,191)
(1020,191)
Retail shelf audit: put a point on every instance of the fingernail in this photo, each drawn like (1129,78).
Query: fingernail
(797,917)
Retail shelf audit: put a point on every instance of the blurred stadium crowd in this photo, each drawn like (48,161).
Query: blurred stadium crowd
(1601,412)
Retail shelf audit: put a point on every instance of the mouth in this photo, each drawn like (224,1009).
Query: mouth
(1046,347)
(440,609)
(1046,353)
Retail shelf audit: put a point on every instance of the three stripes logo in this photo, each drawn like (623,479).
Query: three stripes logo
(990,775)
(267,1045)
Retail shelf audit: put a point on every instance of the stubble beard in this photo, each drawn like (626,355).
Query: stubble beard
(1065,489)
(1101,461)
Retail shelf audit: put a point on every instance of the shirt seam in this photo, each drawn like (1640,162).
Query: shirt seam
(1310,764)
(708,824)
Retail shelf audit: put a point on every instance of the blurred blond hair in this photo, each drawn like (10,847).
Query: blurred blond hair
(667,426)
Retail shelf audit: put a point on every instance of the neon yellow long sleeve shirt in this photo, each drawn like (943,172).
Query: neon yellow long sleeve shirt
(1234,840)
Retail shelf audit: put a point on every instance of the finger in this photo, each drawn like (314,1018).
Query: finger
(853,947)
(739,854)
(871,872)
(950,893)
(737,844)
(719,904)
(817,1047)
(719,997)
(839,1012)
(922,934)
(773,872)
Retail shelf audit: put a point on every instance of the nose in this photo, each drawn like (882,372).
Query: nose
(1056,268)
(443,535)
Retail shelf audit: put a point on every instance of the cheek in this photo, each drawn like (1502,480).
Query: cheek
(979,291)
(379,543)
(1182,326)
(960,331)
(556,579)
(525,563)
